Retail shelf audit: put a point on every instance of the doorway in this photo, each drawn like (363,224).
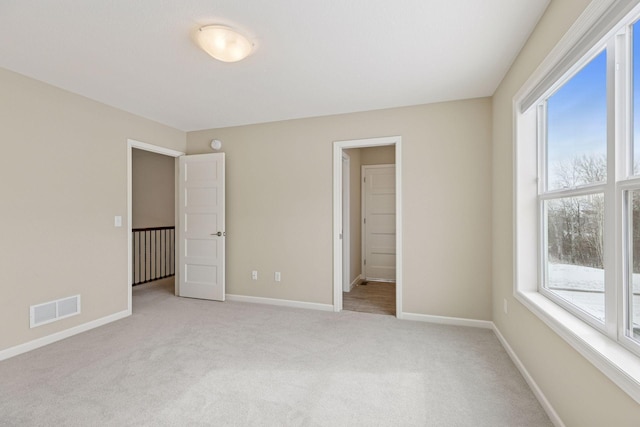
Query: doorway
(354,262)
(373,232)
(148,218)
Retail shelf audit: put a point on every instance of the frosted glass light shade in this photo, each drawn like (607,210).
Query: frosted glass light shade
(223,43)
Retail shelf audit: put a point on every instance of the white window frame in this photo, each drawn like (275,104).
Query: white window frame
(606,345)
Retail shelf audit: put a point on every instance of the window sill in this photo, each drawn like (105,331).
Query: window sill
(616,362)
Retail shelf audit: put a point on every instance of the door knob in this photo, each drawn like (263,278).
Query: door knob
(219,233)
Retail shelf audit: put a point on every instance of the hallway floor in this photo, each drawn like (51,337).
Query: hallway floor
(371,297)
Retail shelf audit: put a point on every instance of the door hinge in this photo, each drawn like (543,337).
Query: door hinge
(340,236)
(365,262)
(365,220)
(365,179)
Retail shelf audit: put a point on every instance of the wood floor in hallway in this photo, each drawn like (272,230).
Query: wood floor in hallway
(371,297)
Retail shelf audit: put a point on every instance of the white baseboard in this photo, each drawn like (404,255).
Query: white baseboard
(443,320)
(49,339)
(280,302)
(553,415)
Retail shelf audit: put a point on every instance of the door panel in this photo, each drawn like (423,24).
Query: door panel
(206,248)
(199,224)
(379,225)
(201,252)
(200,197)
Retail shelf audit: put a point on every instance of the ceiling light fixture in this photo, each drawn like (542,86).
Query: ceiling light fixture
(224,43)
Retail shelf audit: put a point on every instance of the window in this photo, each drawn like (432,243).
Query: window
(576,122)
(572,193)
(580,213)
(577,205)
(574,253)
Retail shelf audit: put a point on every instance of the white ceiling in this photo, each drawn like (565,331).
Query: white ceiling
(312,58)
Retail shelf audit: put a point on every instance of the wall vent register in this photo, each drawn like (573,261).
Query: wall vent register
(51,311)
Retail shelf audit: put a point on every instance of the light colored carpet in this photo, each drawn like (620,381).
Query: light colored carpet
(180,362)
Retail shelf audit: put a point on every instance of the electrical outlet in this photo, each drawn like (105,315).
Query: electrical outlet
(505,306)
(277,276)
(254,275)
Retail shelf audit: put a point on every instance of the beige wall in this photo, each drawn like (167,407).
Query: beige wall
(64,170)
(153,182)
(379,155)
(581,395)
(279,204)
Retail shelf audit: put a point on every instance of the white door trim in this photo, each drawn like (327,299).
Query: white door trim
(132,143)
(338,146)
(346,224)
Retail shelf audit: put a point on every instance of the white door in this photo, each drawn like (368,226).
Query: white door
(201,227)
(379,222)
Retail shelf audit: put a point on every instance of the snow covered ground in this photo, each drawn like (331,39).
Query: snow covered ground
(582,278)
(584,287)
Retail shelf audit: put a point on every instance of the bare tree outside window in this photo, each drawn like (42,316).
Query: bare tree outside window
(575,236)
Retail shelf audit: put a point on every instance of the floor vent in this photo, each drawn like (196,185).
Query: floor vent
(51,311)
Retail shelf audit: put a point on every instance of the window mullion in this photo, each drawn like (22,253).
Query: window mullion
(624,168)
(628,185)
(613,260)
